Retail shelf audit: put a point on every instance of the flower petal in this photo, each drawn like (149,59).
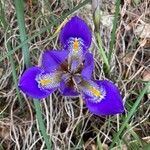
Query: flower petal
(52,59)
(110,101)
(76,28)
(67,90)
(74,64)
(76,48)
(88,66)
(29,85)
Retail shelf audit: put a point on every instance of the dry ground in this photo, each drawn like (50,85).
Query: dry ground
(67,121)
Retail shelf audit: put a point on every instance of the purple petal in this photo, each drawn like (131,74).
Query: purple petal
(88,66)
(34,82)
(76,48)
(110,104)
(67,90)
(74,64)
(29,85)
(76,28)
(52,59)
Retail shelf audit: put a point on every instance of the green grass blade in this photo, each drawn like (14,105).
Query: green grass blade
(14,74)
(99,144)
(24,40)
(146,147)
(45,29)
(8,46)
(113,34)
(20,17)
(102,52)
(2,16)
(131,113)
(41,123)
(1,147)
(96,20)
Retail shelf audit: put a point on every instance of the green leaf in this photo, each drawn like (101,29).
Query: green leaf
(130,114)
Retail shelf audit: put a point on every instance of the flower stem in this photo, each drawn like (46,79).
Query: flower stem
(102,52)
(96,20)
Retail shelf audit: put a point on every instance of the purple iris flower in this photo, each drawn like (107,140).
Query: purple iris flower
(70,71)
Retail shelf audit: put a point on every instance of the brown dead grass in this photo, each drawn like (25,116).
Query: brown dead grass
(67,121)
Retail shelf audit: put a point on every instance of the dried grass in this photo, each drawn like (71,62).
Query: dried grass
(67,121)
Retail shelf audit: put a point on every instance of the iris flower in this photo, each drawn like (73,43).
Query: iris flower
(70,70)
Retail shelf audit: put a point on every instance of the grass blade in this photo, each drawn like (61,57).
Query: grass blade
(96,20)
(102,52)
(8,46)
(45,29)
(41,123)
(24,45)
(20,17)
(131,113)
(113,34)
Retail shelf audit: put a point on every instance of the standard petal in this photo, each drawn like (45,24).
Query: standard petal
(110,102)
(52,59)
(76,28)
(88,67)
(29,85)
(67,90)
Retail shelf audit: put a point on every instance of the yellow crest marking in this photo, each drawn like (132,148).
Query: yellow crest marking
(95,91)
(44,82)
(76,45)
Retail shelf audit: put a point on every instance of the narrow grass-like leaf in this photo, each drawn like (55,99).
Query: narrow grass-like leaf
(14,74)
(1,147)
(2,16)
(45,29)
(102,52)
(146,147)
(41,123)
(8,46)
(20,18)
(136,141)
(96,20)
(99,144)
(130,114)
(113,34)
